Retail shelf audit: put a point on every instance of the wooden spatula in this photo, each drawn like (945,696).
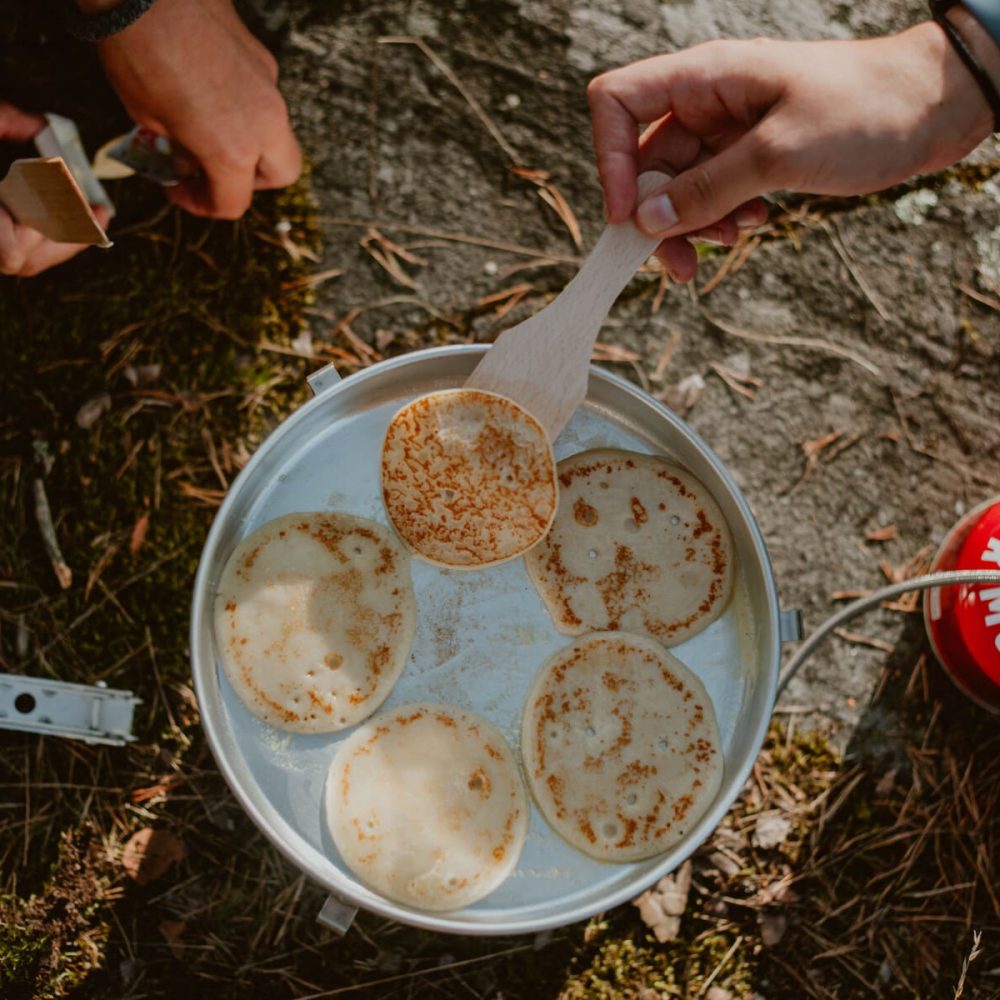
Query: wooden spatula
(41,193)
(542,363)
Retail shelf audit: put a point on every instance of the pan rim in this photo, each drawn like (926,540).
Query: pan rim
(470,922)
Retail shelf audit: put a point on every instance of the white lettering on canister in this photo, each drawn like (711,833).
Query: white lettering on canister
(992,551)
(991,598)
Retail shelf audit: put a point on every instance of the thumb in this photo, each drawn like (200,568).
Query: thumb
(706,192)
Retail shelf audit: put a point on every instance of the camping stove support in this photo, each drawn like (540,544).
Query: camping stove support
(94,714)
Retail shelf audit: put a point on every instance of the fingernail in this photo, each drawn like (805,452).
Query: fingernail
(656,215)
(711,236)
(746,218)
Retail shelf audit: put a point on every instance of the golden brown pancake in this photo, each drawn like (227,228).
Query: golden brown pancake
(637,545)
(621,747)
(468,478)
(314,617)
(426,805)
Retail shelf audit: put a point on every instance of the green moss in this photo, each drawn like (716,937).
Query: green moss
(52,941)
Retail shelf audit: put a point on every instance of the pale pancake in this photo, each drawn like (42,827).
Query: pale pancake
(621,747)
(314,617)
(426,805)
(468,478)
(637,545)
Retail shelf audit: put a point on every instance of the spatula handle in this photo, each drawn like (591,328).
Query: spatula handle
(619,252)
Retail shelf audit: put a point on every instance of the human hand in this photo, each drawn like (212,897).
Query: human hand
(734,120)
(191,70)
(25,252)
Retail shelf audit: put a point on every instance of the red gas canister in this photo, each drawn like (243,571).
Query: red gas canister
(963,622)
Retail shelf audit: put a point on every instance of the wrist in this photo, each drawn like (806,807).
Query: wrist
(956,115)
(978,39)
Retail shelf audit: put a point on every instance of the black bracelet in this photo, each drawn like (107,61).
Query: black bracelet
(95,27)
(958,43)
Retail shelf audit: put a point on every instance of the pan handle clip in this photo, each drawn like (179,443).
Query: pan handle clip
(337,915)
(325,378)
(790,625)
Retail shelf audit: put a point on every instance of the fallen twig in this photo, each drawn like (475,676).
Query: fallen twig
(448,73)
(737,255)
(745,384)
(668,352)
(807,343)
(812,450)
(439,234)
(831,230)
(864,640)
(43,514)
(986,300)
(552,197)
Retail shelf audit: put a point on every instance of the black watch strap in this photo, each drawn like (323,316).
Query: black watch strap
(94,27)
(939,10)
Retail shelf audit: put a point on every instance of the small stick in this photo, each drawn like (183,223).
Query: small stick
(43,514)
(715,972)
(663,284)
(449,74)
(804,342)
(986,300)
(668,353)
(440,234)
(721,273)
(855,272)
(864,640)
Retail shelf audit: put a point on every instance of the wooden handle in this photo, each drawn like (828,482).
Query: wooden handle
(543,363)
(619,252)
(579,311)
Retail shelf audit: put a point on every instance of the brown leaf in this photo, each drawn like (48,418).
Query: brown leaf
(91,411)
(150,854)
(662,907)
(771,830)
(173,931)
(772,928)
(138,534)
(886,534)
